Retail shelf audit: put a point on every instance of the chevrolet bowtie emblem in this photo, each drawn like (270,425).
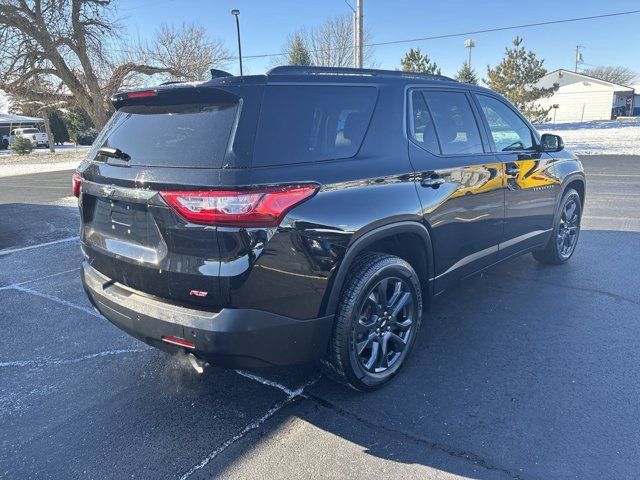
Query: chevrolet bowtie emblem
(108,191)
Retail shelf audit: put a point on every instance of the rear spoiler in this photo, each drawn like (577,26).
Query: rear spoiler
(174,95)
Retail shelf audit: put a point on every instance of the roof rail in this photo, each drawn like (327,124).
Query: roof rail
(370,72)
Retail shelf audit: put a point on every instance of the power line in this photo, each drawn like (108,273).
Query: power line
(473,32)
(422,39)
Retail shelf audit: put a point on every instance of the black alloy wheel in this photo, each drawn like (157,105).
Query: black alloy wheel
(566,231)
(385,325)
(567,237)
(377,322)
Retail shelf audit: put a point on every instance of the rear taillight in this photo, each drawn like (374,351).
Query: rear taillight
(242,208)
(76,181)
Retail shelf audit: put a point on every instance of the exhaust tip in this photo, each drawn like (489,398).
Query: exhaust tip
(196,363)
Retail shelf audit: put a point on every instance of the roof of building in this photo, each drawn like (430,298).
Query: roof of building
(582,75)
(10,118)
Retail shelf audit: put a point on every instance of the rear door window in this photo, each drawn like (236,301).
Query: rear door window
(454,121)
(310,123)
(190,135)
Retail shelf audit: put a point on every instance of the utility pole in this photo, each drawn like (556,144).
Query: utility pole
(469,43)
(358,34)
(578,56)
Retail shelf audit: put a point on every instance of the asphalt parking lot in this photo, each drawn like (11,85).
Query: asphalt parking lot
(525,371)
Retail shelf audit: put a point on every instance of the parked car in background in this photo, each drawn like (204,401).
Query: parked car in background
(35,136)
(311,213)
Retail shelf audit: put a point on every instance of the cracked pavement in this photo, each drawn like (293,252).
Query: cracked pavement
(525,371)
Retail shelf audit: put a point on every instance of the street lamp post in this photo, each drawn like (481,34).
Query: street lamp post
(236,13)
(469,43)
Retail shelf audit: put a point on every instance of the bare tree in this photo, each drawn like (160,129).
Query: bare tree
(329,44)
(62,51)
(187,51)
(614,74)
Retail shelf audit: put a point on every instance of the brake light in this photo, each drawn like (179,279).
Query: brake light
(142,94)
(76,182)
(33,137)
(242,208)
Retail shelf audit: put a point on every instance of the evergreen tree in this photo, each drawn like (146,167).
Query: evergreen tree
(466,74)
(516,77)
(415,61)
(299,53)
(58,128)
(77,120)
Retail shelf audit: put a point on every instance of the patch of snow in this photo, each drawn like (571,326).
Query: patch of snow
(26,168)
(598,138)
(65,147)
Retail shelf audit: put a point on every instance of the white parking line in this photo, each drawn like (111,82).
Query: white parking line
(291,395)
(604,217)
(612,175)
(65,361)
(271,383)
(38,279)
(31,247)
(57,300)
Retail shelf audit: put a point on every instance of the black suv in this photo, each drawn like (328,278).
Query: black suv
(310,213)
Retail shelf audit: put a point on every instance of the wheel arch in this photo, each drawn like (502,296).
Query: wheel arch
(386,239)
(577,182)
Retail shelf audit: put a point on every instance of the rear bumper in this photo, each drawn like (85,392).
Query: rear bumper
(230,338)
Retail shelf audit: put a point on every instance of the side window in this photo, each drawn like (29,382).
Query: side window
(304,123)
(454,122)
(508,130)
(423,131)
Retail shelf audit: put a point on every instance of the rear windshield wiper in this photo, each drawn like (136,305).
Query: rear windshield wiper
(114,153)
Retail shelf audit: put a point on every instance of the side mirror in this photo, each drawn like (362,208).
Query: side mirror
(551,143)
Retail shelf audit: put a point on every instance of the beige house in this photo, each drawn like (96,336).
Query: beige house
(582,98)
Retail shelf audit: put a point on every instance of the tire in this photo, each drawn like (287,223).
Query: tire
(566,231)
(5,144)
(353,357)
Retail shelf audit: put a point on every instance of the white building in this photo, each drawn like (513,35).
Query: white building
(583,98)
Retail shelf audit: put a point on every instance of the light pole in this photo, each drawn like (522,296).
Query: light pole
(578,56)
(469,43)
(236,13)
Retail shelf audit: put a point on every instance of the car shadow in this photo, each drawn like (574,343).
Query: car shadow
(526,370)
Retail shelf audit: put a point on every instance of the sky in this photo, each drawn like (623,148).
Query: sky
(265,25)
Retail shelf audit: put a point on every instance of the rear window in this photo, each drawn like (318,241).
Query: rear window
(171,135)
(30,130)
(300,124)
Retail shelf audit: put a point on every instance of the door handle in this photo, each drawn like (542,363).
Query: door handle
(433,182)
(512,169)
